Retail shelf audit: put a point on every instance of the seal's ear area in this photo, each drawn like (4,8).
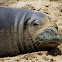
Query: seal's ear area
(56,26)
(49,18)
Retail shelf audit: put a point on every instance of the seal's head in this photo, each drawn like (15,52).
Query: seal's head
(43,31)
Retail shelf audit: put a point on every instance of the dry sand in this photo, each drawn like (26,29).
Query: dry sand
(52,9)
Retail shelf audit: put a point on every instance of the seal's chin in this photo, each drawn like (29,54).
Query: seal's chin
(47,42)
(41,45)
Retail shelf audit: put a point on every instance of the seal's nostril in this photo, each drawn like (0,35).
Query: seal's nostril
(51,30)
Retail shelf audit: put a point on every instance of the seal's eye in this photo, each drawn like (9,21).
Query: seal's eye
(35,24)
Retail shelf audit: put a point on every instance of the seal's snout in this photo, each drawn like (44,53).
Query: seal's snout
(50,36)
(49,39)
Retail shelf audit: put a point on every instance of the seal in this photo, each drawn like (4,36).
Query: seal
(24,31)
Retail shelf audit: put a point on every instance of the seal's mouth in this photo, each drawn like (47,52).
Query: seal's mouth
(47,42)
(48,39)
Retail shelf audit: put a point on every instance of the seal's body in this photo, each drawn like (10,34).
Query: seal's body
(23,31)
